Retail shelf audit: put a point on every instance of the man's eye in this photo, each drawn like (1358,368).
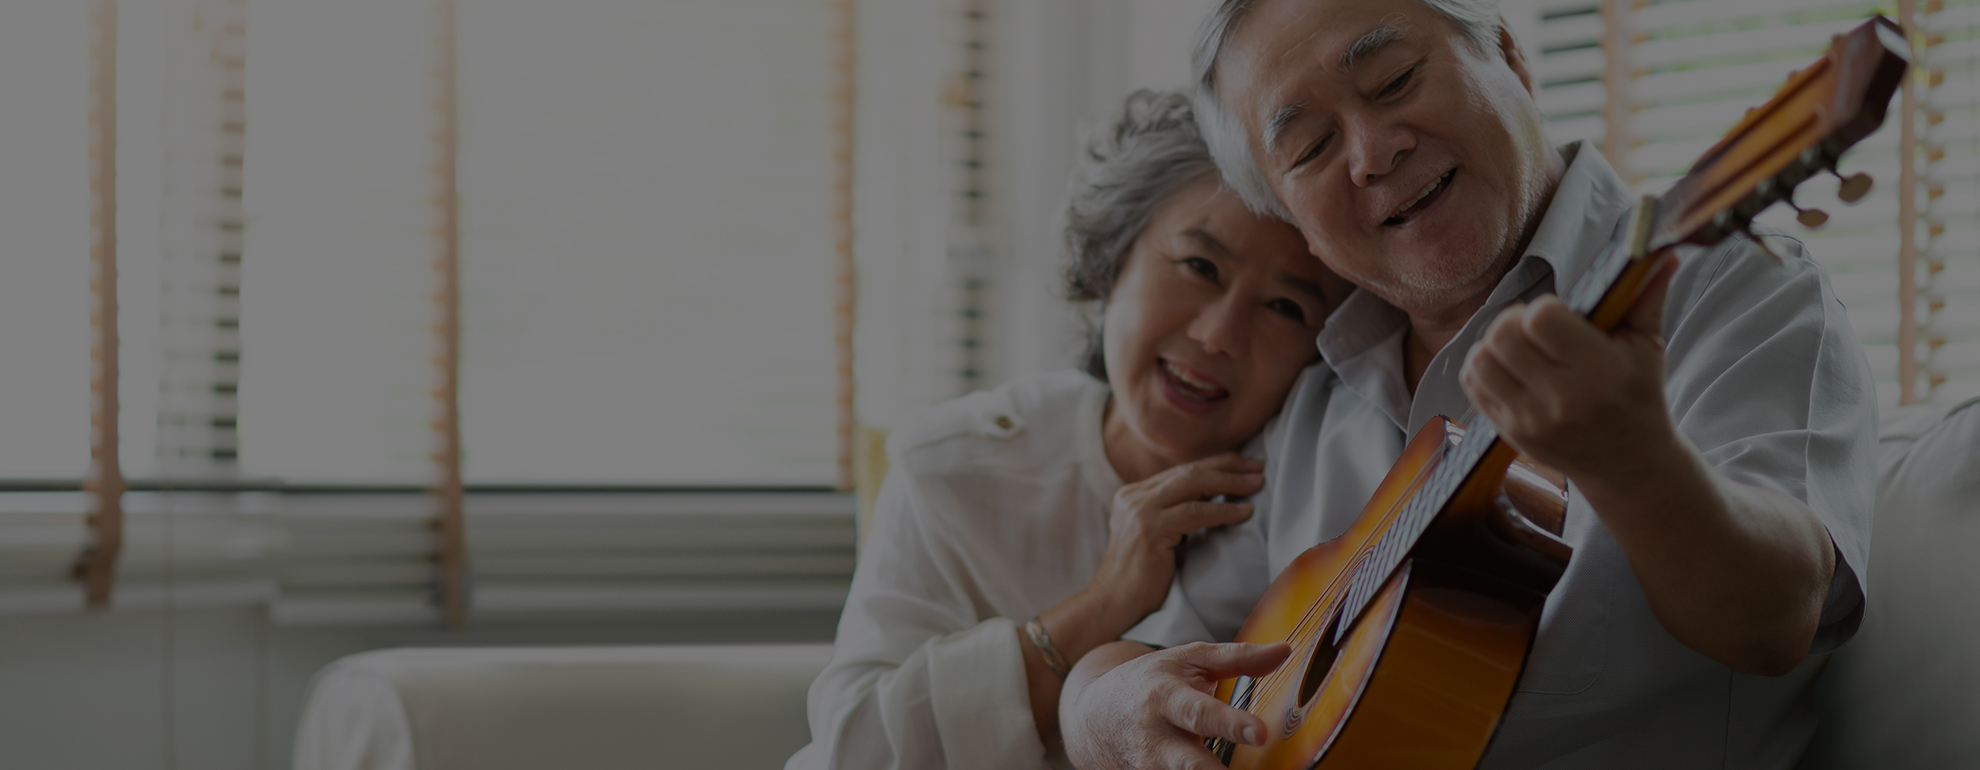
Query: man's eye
(1397,85)
(1201,266)
(1318,148)
(1288,308)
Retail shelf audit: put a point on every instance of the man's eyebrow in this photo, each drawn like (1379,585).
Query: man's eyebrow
(1275,126)
(1368,44)
(1363,47)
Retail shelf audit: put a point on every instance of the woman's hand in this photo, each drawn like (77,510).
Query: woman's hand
(1150,518)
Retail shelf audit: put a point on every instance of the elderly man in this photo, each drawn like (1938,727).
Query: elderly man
(1718,443)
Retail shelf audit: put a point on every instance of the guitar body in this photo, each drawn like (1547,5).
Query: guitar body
(1421,678)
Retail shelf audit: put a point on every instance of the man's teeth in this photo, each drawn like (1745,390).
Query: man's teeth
(1420,195)
(1188,380)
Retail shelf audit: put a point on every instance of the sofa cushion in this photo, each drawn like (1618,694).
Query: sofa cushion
(1905,693)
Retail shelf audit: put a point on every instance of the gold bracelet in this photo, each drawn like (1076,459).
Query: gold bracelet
(1035,631)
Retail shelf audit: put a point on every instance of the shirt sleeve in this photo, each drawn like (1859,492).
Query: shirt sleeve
(1768,380)
(916,680)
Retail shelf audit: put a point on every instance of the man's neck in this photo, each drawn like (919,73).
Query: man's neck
(1430,329)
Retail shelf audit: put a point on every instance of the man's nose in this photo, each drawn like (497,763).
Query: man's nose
(1375,148)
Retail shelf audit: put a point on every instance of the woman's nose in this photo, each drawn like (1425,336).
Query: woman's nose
(1219,327)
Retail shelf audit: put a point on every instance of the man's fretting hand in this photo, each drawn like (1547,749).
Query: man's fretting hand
(1126,708)
(1569,395)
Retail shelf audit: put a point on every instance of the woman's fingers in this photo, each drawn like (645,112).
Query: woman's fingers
(1203,479)
(1179,520)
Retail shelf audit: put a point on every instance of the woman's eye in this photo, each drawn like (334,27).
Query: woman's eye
(1288,308)
(1201,266)
(1397,85)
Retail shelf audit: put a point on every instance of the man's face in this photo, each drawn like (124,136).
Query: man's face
(1413,163)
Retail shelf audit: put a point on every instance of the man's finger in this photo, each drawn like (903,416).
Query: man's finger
(1202,714)
(1486,379)
(1558,332)
(1223,661)
(1522,358)
(1186,752)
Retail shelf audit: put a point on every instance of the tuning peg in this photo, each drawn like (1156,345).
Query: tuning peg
(1809,218)
(1853,187)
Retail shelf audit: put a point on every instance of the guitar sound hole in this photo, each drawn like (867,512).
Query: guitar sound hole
(1324,653)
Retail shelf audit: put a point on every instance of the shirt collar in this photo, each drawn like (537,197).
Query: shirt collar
(1362,339)
(1587,208)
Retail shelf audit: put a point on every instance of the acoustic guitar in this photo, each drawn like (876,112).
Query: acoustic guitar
(1410,629)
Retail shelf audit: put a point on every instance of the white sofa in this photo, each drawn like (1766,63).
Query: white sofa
(560,708)
(1904,694)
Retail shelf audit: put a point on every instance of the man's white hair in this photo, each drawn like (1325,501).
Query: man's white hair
(1224,133)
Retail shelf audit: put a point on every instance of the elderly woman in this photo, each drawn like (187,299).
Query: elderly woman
(1019,528)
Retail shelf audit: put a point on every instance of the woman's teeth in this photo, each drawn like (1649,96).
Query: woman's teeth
(1194,387)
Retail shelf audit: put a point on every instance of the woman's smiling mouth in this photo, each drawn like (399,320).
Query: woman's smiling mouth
(1189,390)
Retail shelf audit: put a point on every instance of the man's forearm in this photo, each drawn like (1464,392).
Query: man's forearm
(1737,572)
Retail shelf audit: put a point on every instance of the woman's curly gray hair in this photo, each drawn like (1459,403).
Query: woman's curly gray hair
(1153,150)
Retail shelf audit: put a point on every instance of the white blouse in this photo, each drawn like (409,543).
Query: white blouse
(994,509)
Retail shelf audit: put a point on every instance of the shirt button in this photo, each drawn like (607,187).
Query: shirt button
(1004,422)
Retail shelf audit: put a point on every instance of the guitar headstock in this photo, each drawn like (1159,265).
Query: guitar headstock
(1823,110)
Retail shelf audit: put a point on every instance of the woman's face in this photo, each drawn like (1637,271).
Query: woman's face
(1213,316)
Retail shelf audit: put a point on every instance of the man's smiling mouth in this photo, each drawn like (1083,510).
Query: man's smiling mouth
(1428,195)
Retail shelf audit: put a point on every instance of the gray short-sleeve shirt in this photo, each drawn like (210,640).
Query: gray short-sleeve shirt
(1766,378)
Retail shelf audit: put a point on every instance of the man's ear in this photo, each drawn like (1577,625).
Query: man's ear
(1515,58)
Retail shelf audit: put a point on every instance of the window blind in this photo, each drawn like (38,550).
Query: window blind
(1680,73)
(648,242)
(337,279)
(1949,277)
(200,226)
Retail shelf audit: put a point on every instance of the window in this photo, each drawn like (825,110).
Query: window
(1678,74)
